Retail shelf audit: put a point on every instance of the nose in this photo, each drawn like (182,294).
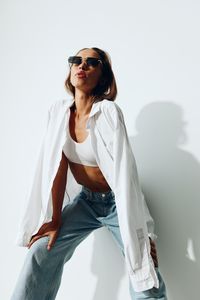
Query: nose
(83,64)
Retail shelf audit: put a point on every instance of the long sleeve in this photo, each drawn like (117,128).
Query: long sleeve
(128,187)
(149,221)
(130,207)
(31,213)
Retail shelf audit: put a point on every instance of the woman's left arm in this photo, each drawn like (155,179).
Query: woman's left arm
(136,221)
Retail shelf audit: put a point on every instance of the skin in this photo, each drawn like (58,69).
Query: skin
(88,176)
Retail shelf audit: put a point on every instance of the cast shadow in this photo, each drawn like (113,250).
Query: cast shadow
(170,179)
(107,265)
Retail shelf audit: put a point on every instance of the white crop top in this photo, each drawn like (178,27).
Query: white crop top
(81,153)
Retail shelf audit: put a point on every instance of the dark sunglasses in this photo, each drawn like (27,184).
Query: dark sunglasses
(90,61)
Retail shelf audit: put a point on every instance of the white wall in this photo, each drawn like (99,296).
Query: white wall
(155,48)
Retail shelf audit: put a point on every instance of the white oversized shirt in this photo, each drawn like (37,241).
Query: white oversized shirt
(116,161)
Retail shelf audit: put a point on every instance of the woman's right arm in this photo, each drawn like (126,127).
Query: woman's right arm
(51,228)
(58,189)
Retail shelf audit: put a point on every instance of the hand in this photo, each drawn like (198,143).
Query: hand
(154,252)
(50,229)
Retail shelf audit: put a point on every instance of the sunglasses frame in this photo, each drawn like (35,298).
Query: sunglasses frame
(81,60)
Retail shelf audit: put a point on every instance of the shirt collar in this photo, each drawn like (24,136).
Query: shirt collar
(95,107)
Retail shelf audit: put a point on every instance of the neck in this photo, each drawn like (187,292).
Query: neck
(83,104)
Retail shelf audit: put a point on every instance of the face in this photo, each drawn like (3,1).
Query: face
(84,77)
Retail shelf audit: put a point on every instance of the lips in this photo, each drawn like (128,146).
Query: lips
(81,74)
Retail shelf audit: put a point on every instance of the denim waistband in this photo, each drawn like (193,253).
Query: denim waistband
(103,195)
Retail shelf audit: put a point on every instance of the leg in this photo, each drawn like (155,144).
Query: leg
(160,293)
(41,274)
(151,294)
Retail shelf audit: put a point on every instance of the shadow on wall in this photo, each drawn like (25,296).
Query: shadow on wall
(170,179)
(107,265)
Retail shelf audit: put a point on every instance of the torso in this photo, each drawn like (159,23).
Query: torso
(88,176)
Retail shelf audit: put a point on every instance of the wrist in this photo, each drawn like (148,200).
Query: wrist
(56,220)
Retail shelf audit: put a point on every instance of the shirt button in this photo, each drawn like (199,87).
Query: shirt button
(103,195)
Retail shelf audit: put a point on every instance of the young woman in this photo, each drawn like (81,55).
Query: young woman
(86,178)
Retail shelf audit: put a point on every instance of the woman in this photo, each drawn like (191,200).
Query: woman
(86,178)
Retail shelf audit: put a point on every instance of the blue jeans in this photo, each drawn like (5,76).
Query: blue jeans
(41,273)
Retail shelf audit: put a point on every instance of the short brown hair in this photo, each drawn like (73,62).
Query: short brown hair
(106,88)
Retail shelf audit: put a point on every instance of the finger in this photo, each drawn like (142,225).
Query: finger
(35,235)
(52,241)
(152,243)
(156,263)
(154,254)
(28,244)
(155,260)
(153,251)
(153,246)
(154,257)
(35,238)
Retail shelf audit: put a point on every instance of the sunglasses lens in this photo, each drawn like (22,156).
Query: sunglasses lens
(92,61)
(75,60)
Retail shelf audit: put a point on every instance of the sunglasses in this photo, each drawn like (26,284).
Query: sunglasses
(90,61)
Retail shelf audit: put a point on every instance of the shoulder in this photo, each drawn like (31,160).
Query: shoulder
(60,105)
(108,104)
(112,112)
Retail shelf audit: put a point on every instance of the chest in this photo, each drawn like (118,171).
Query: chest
(77,128)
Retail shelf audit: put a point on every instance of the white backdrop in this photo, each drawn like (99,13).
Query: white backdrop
(154,46)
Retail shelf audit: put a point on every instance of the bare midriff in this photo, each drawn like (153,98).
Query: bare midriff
(88,176)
